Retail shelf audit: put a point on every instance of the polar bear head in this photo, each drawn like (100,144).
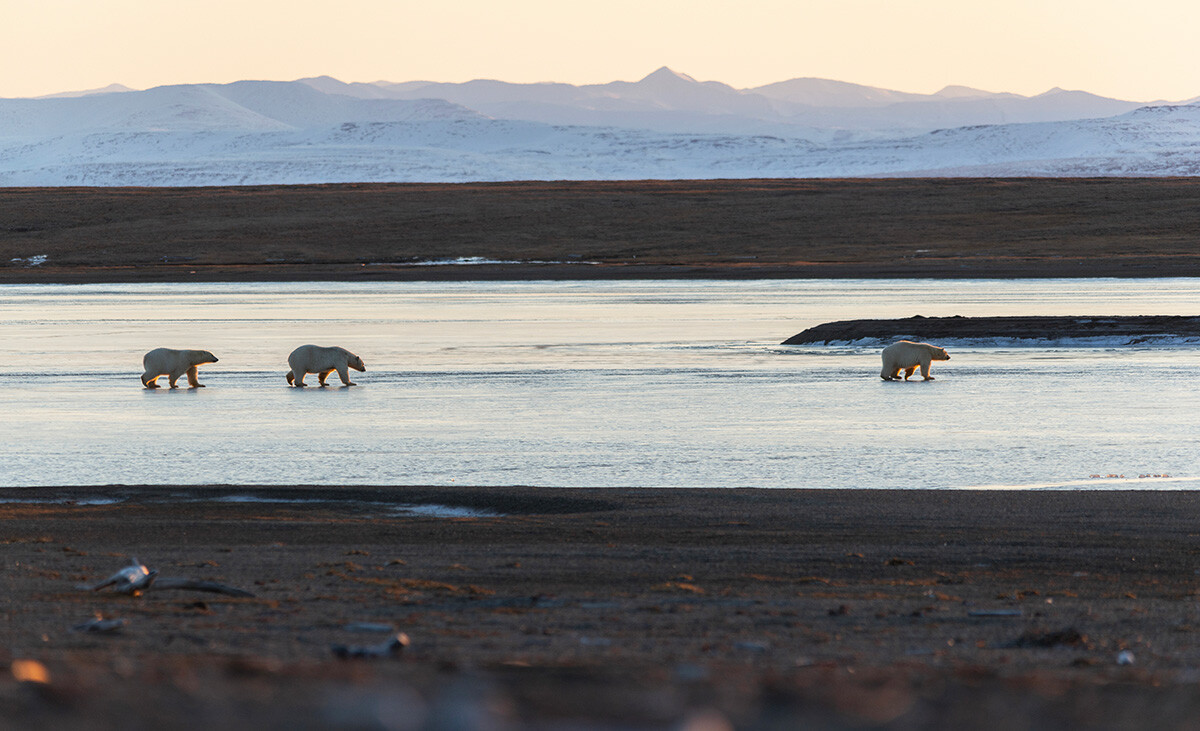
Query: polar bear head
(201,357)
(939,354)
(356,363)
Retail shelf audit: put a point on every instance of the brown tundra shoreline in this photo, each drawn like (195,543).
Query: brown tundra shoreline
(940,228)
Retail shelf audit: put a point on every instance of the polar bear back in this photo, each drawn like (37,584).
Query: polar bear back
(168,360)
(317,359)
(906,353)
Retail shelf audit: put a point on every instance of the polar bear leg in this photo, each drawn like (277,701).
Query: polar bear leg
(344,374)
(193,382)
(290,378)
(925,370)
(298,377)
(173,376)
(323,375)
(909,371)
(150,380)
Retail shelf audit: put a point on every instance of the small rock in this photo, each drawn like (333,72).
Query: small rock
(689,673)
(101,626)
(595,641)
(29,671)
(369,627)
(392,647)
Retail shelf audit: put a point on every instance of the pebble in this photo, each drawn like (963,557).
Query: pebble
(29,671)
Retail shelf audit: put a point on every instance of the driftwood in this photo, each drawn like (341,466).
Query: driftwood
(101,626)
(135,579)
(198,585)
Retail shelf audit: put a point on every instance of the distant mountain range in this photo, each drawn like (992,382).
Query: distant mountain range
(666,125)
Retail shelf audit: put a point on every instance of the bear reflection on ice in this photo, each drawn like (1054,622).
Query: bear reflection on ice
(908,355)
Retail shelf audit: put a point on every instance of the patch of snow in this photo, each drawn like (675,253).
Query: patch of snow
(446,511)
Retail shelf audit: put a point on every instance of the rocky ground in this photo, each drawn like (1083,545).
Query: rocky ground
(701,609)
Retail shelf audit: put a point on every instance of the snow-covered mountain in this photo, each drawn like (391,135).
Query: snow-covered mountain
(666,125)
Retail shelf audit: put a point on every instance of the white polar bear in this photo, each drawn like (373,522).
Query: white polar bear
(173,364)
(908,355)
(322,361)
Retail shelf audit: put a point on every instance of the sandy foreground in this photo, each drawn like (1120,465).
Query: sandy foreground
(605,608)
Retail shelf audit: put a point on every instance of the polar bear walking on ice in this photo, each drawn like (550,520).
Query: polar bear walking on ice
(322,361)
(173,364)
(908,355)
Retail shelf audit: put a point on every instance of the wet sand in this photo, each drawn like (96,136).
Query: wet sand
(584,230)
(608,608)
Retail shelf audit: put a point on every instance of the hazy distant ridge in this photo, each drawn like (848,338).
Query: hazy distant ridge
(666,125)
(656,102)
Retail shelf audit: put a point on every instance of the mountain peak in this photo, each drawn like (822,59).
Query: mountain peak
(1054,91)
(955,91)
(665,74)
(110,89)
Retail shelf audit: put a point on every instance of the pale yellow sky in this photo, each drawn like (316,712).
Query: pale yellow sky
(1142,51)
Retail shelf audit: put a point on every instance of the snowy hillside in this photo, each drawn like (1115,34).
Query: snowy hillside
(322,130)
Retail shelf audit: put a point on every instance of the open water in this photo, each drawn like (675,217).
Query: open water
(657,384)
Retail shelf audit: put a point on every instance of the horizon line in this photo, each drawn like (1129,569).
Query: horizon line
(123,88)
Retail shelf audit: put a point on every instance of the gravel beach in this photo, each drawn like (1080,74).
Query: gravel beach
(603,608)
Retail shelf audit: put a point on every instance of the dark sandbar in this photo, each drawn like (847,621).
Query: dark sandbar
(1133,329)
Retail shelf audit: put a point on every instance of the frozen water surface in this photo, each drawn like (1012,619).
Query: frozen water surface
(590,384)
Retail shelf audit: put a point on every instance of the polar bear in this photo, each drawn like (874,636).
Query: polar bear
(173,364)
(908,355)
(322,361)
